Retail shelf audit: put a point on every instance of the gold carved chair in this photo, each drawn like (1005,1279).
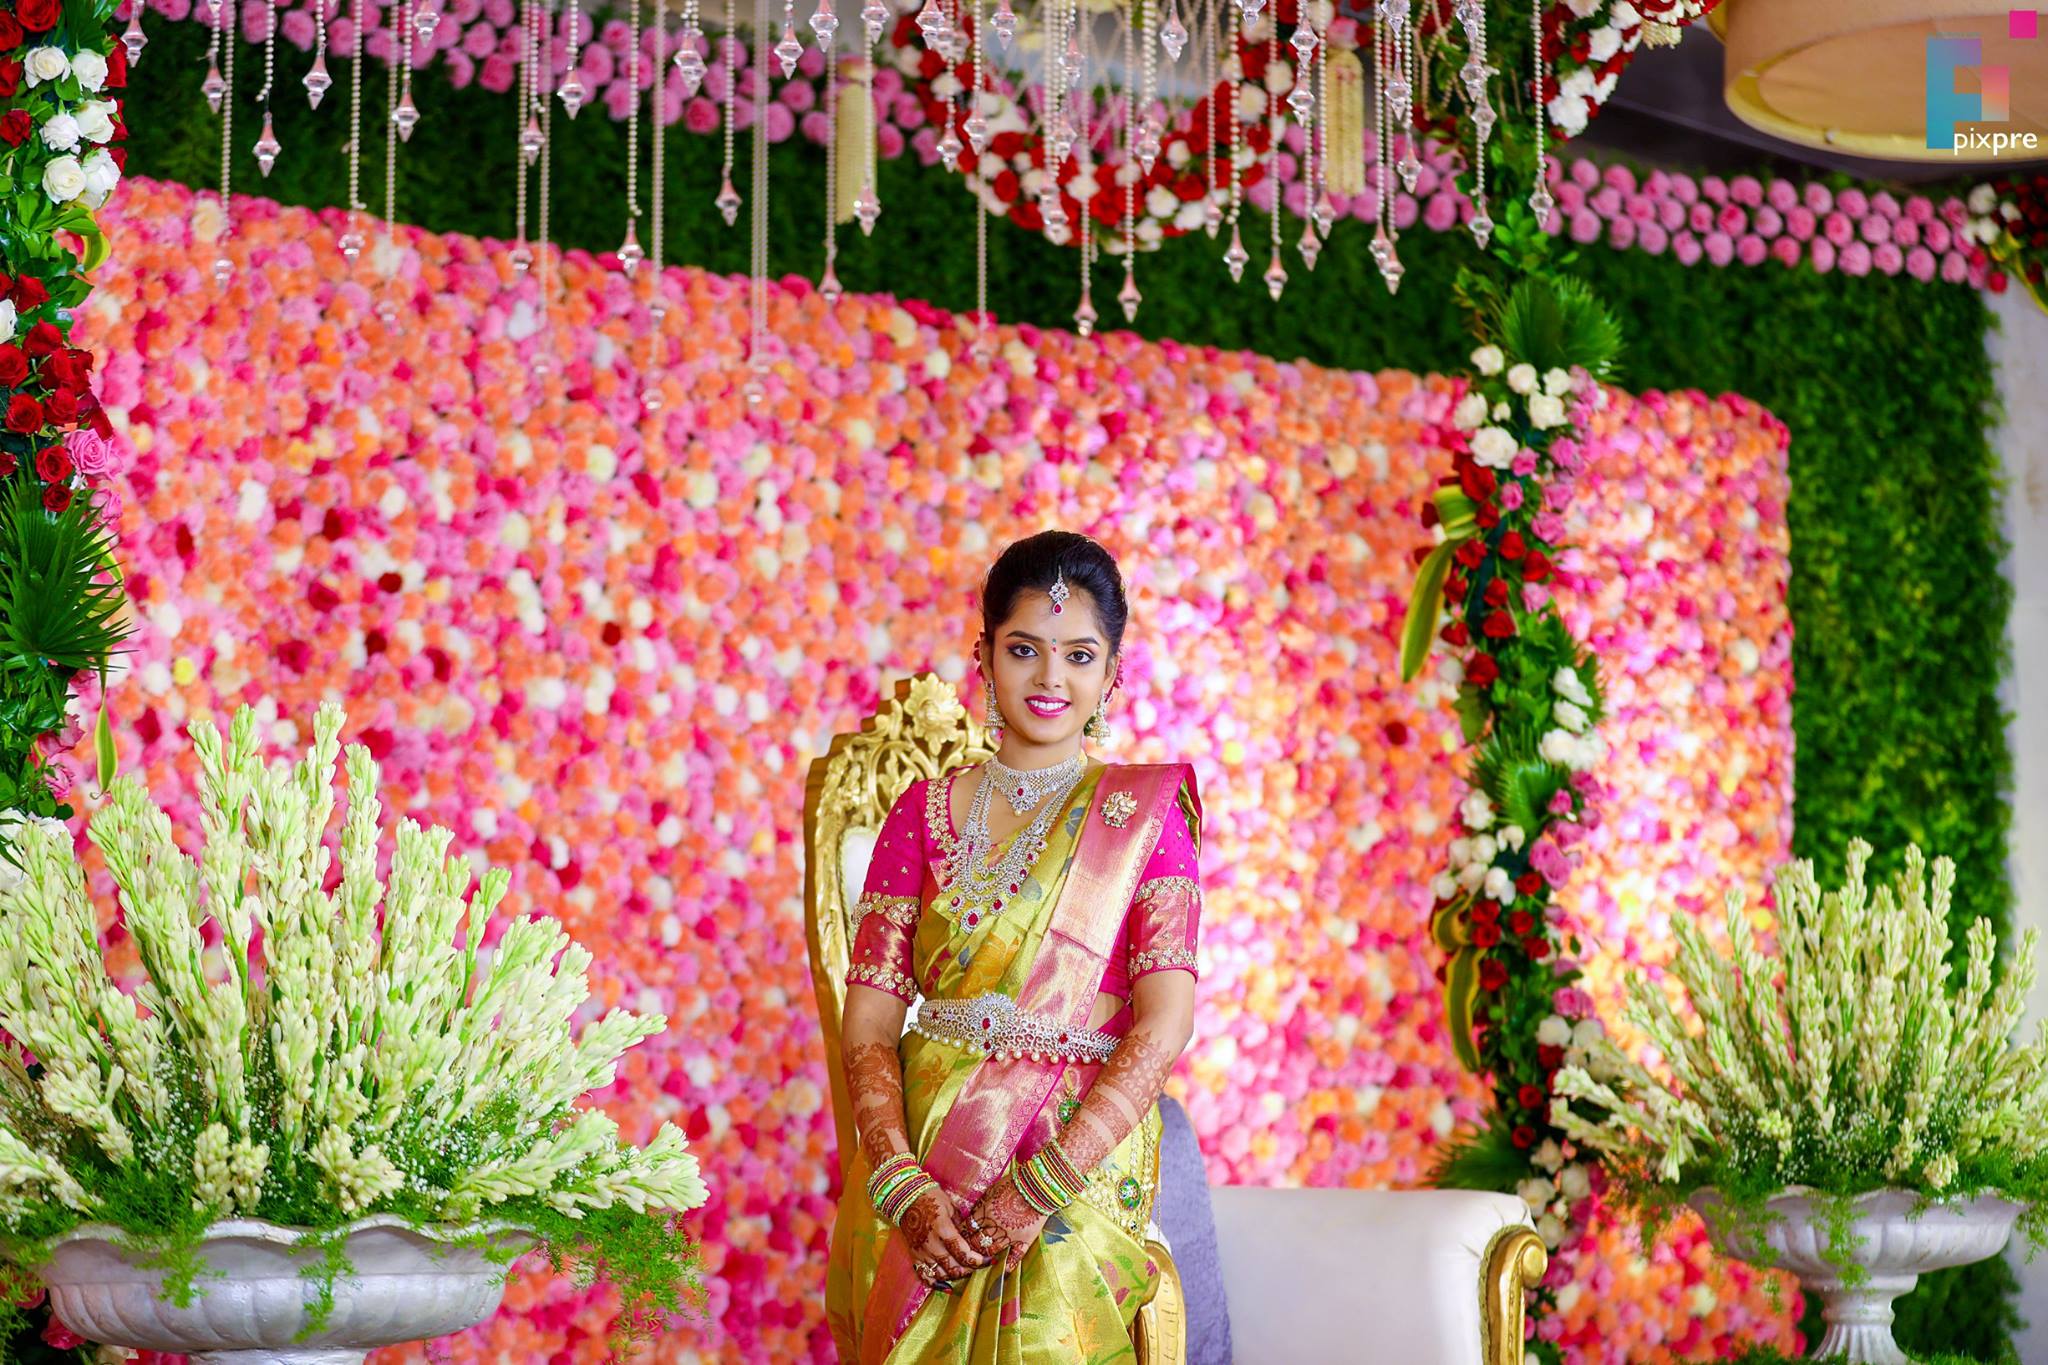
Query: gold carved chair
(922,731)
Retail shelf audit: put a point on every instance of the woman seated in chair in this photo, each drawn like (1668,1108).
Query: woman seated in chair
(1045,906)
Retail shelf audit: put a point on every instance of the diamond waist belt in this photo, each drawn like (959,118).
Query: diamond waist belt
(992,1024)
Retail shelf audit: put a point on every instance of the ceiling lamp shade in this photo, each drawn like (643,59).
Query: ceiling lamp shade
(1885,78)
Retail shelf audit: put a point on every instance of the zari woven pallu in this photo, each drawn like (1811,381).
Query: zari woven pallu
(1113,895)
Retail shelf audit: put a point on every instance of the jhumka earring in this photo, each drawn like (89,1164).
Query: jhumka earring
(994,719)
(1097,726)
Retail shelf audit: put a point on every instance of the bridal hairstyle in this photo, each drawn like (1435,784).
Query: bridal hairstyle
(1035,563)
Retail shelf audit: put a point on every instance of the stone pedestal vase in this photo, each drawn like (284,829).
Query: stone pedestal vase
(1887,1240)
(252,1298)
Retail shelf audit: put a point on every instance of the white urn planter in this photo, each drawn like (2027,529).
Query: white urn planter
(252,1297)
(1887,1239)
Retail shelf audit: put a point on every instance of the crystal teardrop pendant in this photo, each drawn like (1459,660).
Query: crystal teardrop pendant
(1085,316)
(407,116)
(931,22)
(1301,100)
(1251,8)
(1276,276)
(1400,94)
(949,148)
(317,81)
(1004,23)
(728,202)
(424,21)
(789,51)
(824,23)
(1482,227)
(1303,41)
(1173,37)
(1483,119)
(351,245)
(874,14)
(690,63)
(1310,246)
(1389,263)
(1410,167)
(1323,215)
(267,146)
(1541,204)
(522,259)
(1236,257)
(1071,62)
(222,268)
(630,254)
(1212,216)
(829,288)
(1473,74)
(213,87)
(867,207)
(1147,144)
(1128,296)
(530,140)
(132,37)
(572,94)
(1393,14)
(976,129)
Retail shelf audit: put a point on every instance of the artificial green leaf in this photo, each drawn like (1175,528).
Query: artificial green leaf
(1473,711)
(1425,603)
(1480,1159)
(1454,509)
(103,746)
(54,609)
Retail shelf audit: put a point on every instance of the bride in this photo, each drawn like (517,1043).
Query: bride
(1045,906)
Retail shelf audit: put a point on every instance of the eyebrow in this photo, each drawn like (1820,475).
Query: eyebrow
(1079,640)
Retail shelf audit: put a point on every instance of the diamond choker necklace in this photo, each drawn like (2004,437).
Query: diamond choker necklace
(1025,790)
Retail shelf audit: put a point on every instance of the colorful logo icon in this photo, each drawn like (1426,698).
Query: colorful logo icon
(1991,102)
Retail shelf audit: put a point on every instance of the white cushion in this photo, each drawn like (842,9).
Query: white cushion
(1336,1275)
(856,851)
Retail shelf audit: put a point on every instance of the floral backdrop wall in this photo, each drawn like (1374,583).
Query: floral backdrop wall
(603,645)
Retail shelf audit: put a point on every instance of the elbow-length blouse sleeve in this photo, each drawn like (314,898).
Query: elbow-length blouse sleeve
(1166,912)
(891,902)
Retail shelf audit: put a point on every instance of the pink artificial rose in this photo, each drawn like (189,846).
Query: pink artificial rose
(1671,215)
(1823,255)
(1558,495)
(598,65)
(1535,597)
(799,96)
(1366,207)
(1783,195)
(1685,189)
(496,75)
(379,45)
(1701,218)
(107,498)
(1511,497)
(1440,214)
(499,13)
(1853,202)
(1585,226)
(1905,232)
(466,12)
(1720,248)
(1620,177)
(177,11)
(1855,259)
(1714,189)
(1731,220)
(479,42)
(461,69)
(1954,268)
(1874,229)
(1920,264)
(1546,858)
(1785,251)
(1565,453)
(1607,201)
(1548,527)
(297,28)
(1888,258)
(889,141)
(617,99)
(1801,222)
(1819,197)
(1838,229)
(888,83)
(1296,199)
(1751,250)
(60,779)
(781,123)
(1523,465)
(814,126)
(811,64)
(1746,190)
(1954,211)
(614,34)
(1769,222)
(1920,209)
(1653,238)
(924,144)
(1428,181)
(1686,248)
(1621,233)
(1571,197)
(906,111)
(90,454)
(700,115)
(1641,208)
(1570,1001)
(1937,235)
(1585,174)
(1884,205)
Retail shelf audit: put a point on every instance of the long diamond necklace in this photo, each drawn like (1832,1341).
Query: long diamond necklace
(973,882)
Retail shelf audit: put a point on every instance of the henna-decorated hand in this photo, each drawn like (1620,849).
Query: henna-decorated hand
(1006,1222)
(935,1237)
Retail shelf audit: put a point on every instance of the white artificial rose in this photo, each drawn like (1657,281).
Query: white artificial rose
(1587,1032)
(1511,836)
(1522,378)
(1485,850)
(1461,852)
(1555,1031)
(1574,1182)
(1570,716)
(1499,886)
(1444,887)
(10,321)
(1605,86)
(1451,671)
(1493,447)
(1557,381)
(1588,753)
(1603,43)
(1478,811)
(1471,411)
(1488,360)
(96,120)
(1536,1192)
(1501,411)
(1551,1230)
(1983,199)
(1565,682)
(59,132)
(102,173)
(91,70)
(1471,875)
(1568,114)
(1549,1156)
(1545,411)
(2009,211)
(46,64)
(1559,747)
(64,179)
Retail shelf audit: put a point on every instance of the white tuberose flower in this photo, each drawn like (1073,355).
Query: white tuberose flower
(46,64)
(64,179)
(60,132)
(91,70)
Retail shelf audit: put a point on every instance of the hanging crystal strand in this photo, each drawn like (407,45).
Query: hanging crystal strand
(1276,124)
(405,116)
(949,137)
(1051,213)
(1212,202)
(222,266)
(1472,14)
(791,49)
(1150,130)
(132,37)
(1321,212)
(543,360)
(571,91)
(215,86)
(630,254)
(522,157)
(1302,98)
(757,199)
(977,137)
(1383,251)
(267,146)
(1409,81)
(728,200)
(316,80)
(530,136)
(867,205)
(1085,317)
(689,59)
(1311,245)
(828,283)
(1128,297)
(352,235)
(657,302)
(1235,257)
(1540,202)
(387,304)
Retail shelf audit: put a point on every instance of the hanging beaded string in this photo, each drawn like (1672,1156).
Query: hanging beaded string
(266,145)
(387,307)
(984,338)
(402,113)
(629,250)
(1085,315)
(828,284)
(222,267)
(316,80)
(1540,201)
(522,111)
(728,202)
(873,124)
(1233,76)
(1212,209)
(571,90)
(1311,132)
(1276,273)
(1127,297)
(1383,187)
(1416,72)
(214,87)
(757,345)
(543,363)
(352,238)
(1481,224)
(657,305)
(1055,107)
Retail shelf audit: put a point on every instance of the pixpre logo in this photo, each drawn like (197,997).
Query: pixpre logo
(1991,102)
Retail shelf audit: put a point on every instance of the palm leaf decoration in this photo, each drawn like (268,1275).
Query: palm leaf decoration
(1480,1159)
(1515,778)
(1557,322)
(57,610)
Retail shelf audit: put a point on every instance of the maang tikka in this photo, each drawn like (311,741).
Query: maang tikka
(1059,592)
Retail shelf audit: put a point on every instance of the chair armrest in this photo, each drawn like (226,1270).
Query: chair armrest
(1425,1277)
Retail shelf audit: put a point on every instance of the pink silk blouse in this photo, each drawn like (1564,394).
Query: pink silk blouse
(1159,930)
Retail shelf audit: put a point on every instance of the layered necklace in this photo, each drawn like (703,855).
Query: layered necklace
(980,889)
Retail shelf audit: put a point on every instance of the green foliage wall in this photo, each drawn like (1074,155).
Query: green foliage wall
(1898,606)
